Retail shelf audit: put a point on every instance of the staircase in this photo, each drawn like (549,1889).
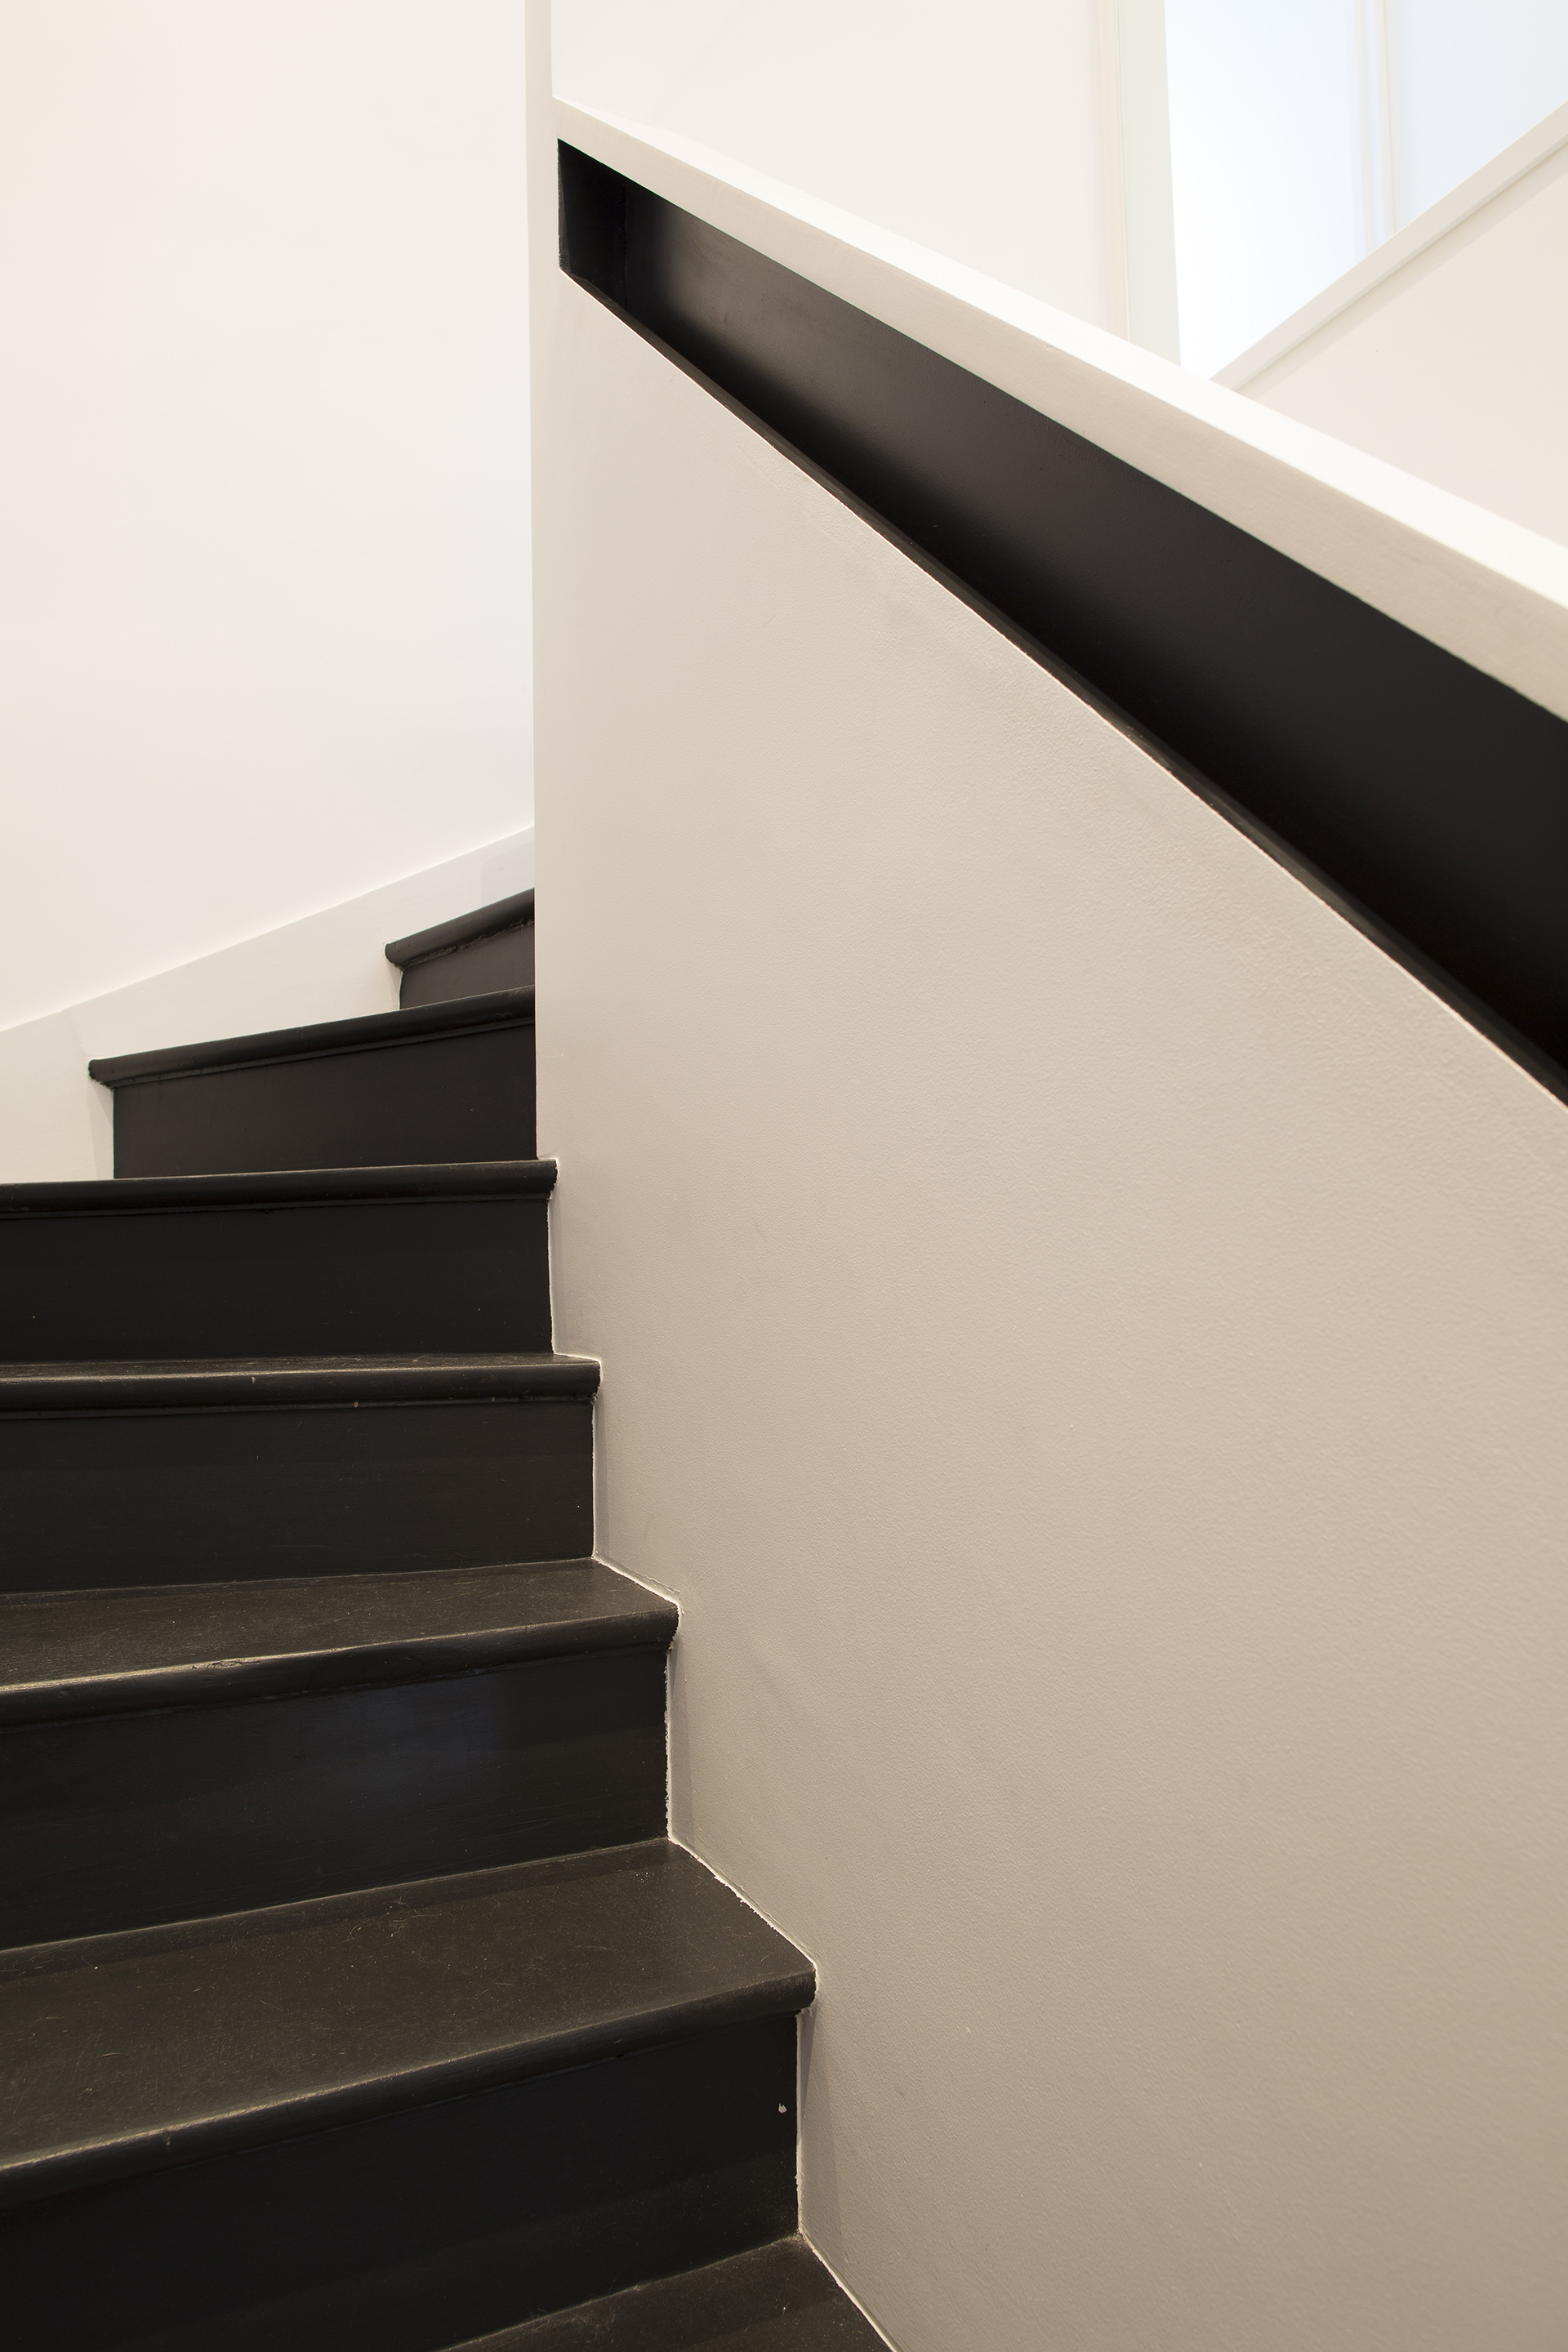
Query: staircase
(353,1993)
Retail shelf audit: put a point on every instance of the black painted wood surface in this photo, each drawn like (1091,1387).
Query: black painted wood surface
(188,1273)
(1426,799)
(185,1497)
(502,959)
(491,948)
(122,1821)
(461,930)
(445,1082)
(776,2298)
(421,2229)
(351,1990)
(215,2035)
(65,1654)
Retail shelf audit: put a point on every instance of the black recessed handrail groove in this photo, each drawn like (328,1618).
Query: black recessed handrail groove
(1426,800)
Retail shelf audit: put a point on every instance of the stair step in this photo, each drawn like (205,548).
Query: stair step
(192,1472)
(74,1653)
(436,1083)
(270,2024)
(374,1259)
(416,1725)
(491,948)
(776,2298)
(401,2117)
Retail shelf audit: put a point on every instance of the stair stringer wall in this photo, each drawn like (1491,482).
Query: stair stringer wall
(1087,1344)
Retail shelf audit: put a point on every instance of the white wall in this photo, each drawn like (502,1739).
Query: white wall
(263,627)
(1452,362)
(1086,1338)
(974,131)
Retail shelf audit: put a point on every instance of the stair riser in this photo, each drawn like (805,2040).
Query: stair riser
(422,2230)
(354,1278)
(433,1099)
(195,1498)
(127,1821)
(504,961)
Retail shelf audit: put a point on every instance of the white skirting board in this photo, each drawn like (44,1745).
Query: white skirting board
(57,1125)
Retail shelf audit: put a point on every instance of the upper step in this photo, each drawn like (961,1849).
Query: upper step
(414,1725)
(265,2025)
(179,1472)
(77,1653)
(491,948)
(436,1083)
(776,2298)
(361,1260)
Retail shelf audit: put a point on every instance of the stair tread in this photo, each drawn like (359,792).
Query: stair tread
(461,930)
(366,1033)
(775,2298)
(102,1652)
(284,1188)
(129,2052)
(219,1381)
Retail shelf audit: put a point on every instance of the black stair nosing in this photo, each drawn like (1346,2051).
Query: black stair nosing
(461,930)
(307,1634)
(307,1187)
(368,1033)
(255,1385)
(780,2295)
(395,1998)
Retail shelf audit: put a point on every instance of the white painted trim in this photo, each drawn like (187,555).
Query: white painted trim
(1486,589)
(1449,213)
(1114,190)
(1148,200)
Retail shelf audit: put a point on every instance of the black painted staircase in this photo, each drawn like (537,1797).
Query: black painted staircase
(351,1993)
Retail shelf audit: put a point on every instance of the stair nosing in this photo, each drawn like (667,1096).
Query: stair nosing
(368,1033)
(437,1181)
(323,1668)
(32,2174)
(461,931)
(252,1384)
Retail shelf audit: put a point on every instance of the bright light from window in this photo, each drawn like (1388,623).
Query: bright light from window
(1304,132)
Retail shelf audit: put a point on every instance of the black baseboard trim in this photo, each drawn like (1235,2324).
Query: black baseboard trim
(1424,800)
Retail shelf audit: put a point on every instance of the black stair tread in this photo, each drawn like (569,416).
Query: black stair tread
(129,2052)
(106,1652)
(461,930)
(254,1382)
(369,1033)
(775,2298)
(465,1180)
